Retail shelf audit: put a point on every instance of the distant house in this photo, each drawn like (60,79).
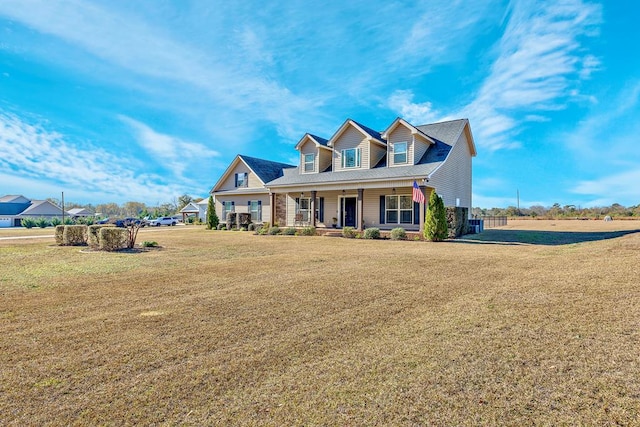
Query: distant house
(196,210)
(358,177)
(79,213)
(14,208)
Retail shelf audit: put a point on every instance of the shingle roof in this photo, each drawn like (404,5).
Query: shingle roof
(373,133)
(445,135)
(12,208)
(265,169)
(319,139)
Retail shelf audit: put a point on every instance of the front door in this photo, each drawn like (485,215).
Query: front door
(349,211)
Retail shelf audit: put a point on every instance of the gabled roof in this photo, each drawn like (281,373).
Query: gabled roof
(265,170)
(12,198)
(9,208)
(190,207)
(317,140)
(368,133)
(450,131)
(79,212)
(444,136)
(414,130)
(42,207)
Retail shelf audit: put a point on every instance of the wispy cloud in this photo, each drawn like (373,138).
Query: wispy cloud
(230,78)
(401,101)
(538,63)
(618,188)
(48,158)
(174,153)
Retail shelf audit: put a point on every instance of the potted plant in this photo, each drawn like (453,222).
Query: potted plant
(335,222)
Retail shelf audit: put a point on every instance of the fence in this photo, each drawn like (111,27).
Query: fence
(494,221)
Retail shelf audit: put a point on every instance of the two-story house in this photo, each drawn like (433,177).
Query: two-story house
(359,177)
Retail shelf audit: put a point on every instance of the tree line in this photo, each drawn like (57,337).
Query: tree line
(131,209)
(561,211)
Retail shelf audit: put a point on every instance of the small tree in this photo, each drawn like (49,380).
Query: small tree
(132,228)
(212,216)
(435,225)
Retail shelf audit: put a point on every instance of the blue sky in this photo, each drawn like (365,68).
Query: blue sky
(113,101)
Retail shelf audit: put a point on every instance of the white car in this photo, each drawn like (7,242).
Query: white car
(165,220)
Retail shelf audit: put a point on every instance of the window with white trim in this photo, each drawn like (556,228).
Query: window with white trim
(304,208)
(242,180)
(351,158)
(255,209)
(309,162)
(227,207)
(399,153)
(399,209)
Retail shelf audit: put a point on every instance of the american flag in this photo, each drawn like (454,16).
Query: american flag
(418,196)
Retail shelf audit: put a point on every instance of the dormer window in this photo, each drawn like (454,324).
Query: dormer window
(309,162)
(399,153)
(242,180)
(351,158)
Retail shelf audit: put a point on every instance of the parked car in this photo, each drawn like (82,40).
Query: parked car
(127,221)
(165,220)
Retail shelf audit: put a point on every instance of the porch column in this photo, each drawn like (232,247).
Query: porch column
(314,193)
(272,207)
(359,208)
(422,210)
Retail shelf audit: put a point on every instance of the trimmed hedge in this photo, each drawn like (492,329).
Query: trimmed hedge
(372,233)
(349,232)
(74,235)
(112,238)
(398,233)
(59,235)
(94,234)
(308,231)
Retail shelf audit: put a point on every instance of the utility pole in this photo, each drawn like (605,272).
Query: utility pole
(518,197)
(63,208)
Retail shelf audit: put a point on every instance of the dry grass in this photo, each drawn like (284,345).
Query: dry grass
(227,328)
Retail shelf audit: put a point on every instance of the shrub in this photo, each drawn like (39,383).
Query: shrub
(42,222)
(435,227)
(93,234)
(221,226)
(113,238)
(212,217)
(308,231)
(252,227)
(74,235)
(290,231)
(398,233)
(59,235)
(263,229)
(147,244)
(55,221)
(349,232)
(28,222)
(274,230)
(68,221)
(372,233)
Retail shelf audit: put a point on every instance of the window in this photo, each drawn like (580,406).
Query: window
(400,153)
(399,210)
(351,158)
(227,207)
(303,208)
(255,208)
(309,162)
(242,179)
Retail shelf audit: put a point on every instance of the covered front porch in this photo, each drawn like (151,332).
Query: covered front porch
(383,205)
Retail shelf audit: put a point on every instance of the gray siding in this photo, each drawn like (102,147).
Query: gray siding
(350,138)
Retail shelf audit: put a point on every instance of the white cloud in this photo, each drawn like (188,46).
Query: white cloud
(176,154)
(539,60)
(617,188)
(401,101)
(228,73)
(48,160)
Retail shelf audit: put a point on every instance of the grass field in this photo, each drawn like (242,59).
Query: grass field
(536,323)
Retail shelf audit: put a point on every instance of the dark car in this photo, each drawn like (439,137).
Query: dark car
(125,222)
